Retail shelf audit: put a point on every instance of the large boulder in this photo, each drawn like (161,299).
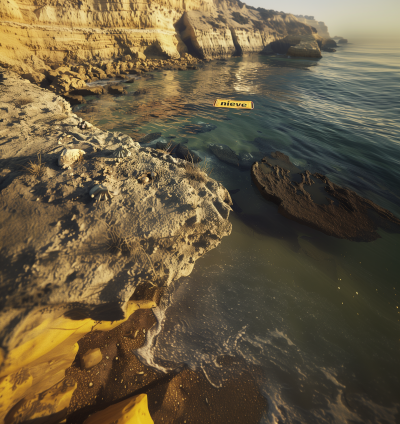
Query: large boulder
(135,71)
(34,77)
(183,152)
(329,43)
(306,48)
(343,41)
(99,73)
(51,76)
(87,91)
(116,89)
(74,100)
(61,84)
(224,153)
(313,200)
(77,83)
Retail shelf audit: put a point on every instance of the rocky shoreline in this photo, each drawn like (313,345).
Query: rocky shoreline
(94,228)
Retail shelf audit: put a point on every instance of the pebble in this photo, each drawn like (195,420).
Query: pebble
(90,384)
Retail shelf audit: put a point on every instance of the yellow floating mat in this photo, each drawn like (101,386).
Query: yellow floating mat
(237,104)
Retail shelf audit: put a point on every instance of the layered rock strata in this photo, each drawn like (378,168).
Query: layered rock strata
(33,35)
(79,240)
(313,200)
(239,31)
(320,26)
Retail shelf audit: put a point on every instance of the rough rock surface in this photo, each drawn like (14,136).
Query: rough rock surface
(36,34)
(313,200)
(62,253)
(158,218)
(224,153)
(321,28)
(329,43)
(308,47)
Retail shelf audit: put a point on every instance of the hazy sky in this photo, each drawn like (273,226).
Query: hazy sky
(346,18)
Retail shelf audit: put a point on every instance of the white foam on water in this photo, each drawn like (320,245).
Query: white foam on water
(146,352)
(329,374)
(277,333)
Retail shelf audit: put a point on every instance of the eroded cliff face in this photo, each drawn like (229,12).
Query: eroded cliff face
(34,33)
(321,28)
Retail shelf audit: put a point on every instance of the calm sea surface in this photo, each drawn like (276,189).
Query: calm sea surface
(319,315)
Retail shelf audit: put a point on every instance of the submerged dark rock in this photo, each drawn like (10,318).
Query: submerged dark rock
(149,137)
(140,91)
(313,200)
(87,91)
(183,152)
(329,43)
(166,145)
(198,128)
(224,153)
(74,100)
(116,89)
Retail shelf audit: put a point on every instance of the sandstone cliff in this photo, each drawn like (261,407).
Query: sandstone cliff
(321,28)
(34,33)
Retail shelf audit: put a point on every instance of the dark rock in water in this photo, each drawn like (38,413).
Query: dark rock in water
(74,100)
(166,145)
(149,137)
(328,49)
(87,91)
(313,200)
(246,160)
(280,47)
(116,89)
(183,152)
(135,71)
(198,128)
(140,91)
(89,109)
(329,43)
(130,81)
(224,153)
(343,41)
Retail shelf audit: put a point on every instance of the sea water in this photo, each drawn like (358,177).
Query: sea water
(320,316)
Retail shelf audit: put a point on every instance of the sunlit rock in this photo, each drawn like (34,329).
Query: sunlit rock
(130,411)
